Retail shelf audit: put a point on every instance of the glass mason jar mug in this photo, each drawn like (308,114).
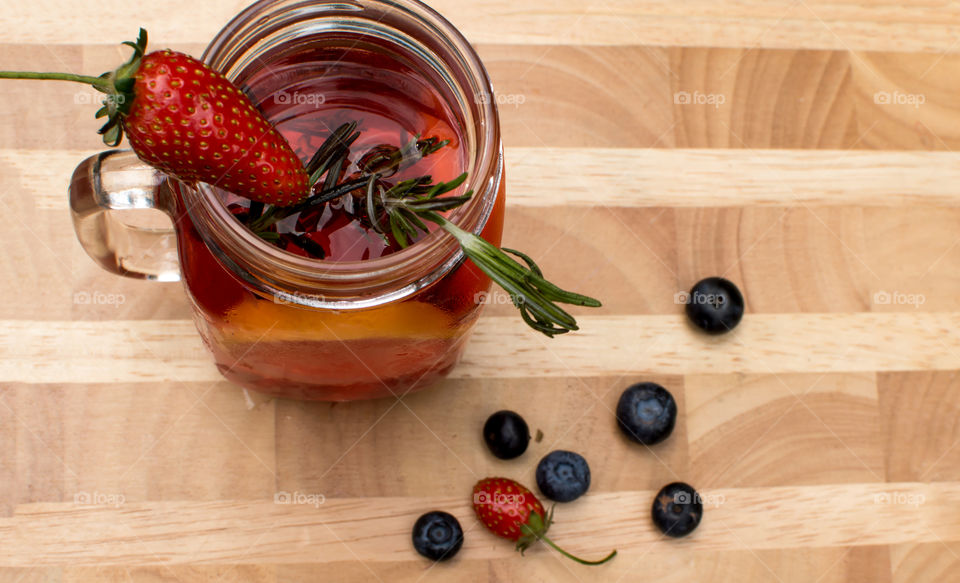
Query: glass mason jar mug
(293,326)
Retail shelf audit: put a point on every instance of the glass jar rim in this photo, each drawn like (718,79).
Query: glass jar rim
(358,284)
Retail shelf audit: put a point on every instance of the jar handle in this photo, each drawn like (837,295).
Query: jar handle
(103,189)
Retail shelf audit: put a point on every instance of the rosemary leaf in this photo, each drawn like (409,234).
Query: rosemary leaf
(326,150)
(397,230)
(371,204)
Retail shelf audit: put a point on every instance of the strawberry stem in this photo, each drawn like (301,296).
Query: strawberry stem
(100,83)
(553,545)
(537,526)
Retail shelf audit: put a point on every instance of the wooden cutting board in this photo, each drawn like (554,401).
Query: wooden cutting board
(803,149)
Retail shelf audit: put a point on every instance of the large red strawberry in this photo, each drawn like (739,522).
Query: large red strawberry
(190,121)
(511,511)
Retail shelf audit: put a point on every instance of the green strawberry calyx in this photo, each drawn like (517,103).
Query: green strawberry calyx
(120,91)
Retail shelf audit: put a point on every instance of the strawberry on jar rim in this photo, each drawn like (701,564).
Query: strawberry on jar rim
(191,122)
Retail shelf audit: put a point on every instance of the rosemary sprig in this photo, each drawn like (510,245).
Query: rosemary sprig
(407,204)
(410,202)
(277,213)
(531,293)
(385,160)
(333,156)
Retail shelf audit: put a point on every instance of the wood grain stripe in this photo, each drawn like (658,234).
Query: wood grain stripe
(830,24)
(574,96)
(724,177)
(378,529)
(624,177)
(41,175)
(152,351)
(824,565)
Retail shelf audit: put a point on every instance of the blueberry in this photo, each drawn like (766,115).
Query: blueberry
(677,509)
(715,305)
(506,434)
(563,475)
(646,413)
(437,535)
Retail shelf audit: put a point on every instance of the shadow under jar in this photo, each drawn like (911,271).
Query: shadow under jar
(366,321)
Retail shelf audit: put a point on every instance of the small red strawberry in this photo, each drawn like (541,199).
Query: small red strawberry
(191,122)
(511,511)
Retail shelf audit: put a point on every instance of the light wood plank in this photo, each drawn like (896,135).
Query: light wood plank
(97,352)
(869,564)
(378,529)
(171,350)
(833,24)
(41,176)
(763,343)
(722,177)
